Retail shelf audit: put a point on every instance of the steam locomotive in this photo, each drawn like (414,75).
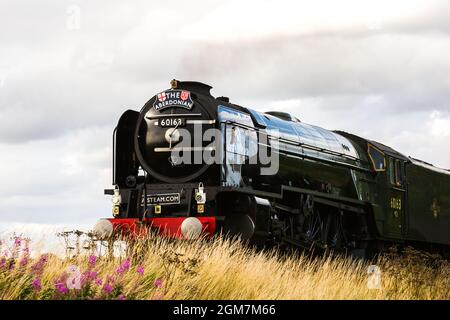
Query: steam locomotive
(190,165)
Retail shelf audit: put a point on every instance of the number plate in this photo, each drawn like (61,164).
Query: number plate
(172,122)
(162,199)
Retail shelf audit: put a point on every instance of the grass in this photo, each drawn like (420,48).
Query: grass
(217,269)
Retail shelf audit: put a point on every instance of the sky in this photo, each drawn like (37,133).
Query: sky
(68,69)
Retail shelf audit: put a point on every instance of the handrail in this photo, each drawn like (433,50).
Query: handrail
(114,157)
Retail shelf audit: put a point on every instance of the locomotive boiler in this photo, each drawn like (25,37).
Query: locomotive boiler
(189,165)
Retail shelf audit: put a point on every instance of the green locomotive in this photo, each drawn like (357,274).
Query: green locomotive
(329,189)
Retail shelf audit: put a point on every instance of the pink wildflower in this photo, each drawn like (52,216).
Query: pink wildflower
(158,283)
(120,270)
(88,276)
(38,267)
(125,266)
(17,242)
(140,270)
(36,284)
(61,287)
(92,260)
(24,261)
(107,288)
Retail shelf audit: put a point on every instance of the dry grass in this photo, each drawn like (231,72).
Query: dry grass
(222,269)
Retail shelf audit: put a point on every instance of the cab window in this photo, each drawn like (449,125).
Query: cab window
(391,171)
(396,176)
(398,173)
(377,158)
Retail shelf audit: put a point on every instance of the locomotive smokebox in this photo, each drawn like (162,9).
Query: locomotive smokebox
(168,135)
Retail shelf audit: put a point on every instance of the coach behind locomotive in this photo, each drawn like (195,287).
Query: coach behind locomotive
(189,163)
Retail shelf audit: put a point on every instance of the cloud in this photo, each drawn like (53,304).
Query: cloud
(399,68)
(57,180)
(78,78)
(377,69)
